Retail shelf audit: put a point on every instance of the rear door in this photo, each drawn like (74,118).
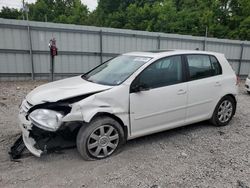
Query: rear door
(204,86)
(162,103)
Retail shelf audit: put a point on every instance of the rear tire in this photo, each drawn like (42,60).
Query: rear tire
(100,138)
(224,111)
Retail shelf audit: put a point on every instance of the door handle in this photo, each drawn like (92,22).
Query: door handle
(181,92)
(217,83)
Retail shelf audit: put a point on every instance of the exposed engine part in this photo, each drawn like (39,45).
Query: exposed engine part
(53,141)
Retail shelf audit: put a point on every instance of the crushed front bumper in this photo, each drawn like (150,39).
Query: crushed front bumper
(29,142)
(40,142)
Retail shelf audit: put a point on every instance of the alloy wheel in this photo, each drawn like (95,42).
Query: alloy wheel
(103,141)
(225,111)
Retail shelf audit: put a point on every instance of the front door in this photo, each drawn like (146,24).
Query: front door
(158,97)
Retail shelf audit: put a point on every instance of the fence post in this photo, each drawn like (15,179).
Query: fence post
(158,42)
(205,44)
(31,51)
(240,60)
(101,50)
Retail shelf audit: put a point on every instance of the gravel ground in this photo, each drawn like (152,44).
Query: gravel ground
(198,155)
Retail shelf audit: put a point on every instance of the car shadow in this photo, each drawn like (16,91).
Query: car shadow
(147,140)
(166,135)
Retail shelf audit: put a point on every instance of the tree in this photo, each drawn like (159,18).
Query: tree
(70,11)
(10,13)
(244,29)
(41,11)
(61,11)
(222,18)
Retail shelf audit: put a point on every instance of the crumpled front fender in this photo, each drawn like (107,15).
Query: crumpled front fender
(114,101)
(74,115)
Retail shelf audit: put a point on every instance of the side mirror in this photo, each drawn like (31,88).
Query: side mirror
(139,87)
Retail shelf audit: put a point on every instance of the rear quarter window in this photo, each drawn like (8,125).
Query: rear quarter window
(215,65)
(203,66)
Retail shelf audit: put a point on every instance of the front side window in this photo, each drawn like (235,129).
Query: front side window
(202,66)
(164,72)
(116,70)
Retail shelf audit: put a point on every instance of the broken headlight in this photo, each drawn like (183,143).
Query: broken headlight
(46,119)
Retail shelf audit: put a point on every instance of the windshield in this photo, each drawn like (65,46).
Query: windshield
(116,70)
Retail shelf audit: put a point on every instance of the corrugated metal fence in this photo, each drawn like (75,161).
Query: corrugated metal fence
(24,51)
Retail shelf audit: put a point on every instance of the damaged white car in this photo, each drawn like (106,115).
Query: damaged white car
(132,95)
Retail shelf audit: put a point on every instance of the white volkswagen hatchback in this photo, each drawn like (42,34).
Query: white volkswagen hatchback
(129,96)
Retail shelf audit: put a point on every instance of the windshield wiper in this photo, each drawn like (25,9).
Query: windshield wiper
(85,78)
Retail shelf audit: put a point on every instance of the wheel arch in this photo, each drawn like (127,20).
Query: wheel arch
(227,95)
(124,127)
(234,98)
(213,117)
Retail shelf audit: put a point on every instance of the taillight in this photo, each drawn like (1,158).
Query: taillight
(237,80)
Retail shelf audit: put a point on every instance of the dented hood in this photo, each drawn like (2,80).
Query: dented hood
(63,89)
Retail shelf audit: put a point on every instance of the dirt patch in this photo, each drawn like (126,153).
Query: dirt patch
(198,155)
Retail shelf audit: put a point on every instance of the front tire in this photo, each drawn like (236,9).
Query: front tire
(100,138)
(224,111)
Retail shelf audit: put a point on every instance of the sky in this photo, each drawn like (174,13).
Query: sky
(18,3)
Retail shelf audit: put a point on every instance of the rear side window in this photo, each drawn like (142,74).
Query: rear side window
(203,66)
(215,65)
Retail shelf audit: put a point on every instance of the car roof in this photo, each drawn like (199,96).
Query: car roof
(168,52)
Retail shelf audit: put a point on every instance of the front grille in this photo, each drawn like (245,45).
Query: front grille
(26,106)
